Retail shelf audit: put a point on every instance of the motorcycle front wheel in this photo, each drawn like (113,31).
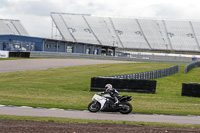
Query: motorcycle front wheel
(94,107)
(125,108)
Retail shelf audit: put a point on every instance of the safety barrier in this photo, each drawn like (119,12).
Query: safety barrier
(124,85)
(19,54)
(90,56)
(191,89)
(148,75)
(191,66)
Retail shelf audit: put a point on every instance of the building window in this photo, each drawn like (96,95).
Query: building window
(69,49)
(17,46)
(49,45)
(96,52)
(56,46)
(88,51)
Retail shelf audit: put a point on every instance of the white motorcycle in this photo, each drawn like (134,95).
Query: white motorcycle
(106,103)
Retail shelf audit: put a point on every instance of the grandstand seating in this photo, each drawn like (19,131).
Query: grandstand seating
(12,27)
(129,33)
(102,29)
(80,30)
(19,28)
(196,28)
(182,38)
(4,28)
(62,27)
(154,32)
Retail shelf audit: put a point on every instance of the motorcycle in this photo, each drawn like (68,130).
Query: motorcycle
(106,103)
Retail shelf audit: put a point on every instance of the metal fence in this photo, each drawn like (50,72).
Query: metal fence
(90,56)
(191,66)
(148,75)
(160,57)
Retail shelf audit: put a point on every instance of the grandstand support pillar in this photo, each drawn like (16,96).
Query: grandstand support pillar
(170,44)
(84,48)
(114,51)
(143,34)
(57,46)
(75,45)
(65,47)
(194,34)
(43,45)
(52,29)
(107,51)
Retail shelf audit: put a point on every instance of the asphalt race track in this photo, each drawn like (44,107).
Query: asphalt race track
(75,114)
(38,64)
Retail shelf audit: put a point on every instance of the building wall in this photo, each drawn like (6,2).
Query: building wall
(20,43)
(55,46)
(24,43)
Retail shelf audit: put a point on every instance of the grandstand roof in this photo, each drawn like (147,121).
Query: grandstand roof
(12,27)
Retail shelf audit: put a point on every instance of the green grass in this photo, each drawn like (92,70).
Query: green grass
(11,58)
(68,120)
(68,88)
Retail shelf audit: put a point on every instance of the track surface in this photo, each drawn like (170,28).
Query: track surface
(75,114)
(37,64)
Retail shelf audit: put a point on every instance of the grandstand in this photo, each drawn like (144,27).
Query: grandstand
(129,33)
(12,27)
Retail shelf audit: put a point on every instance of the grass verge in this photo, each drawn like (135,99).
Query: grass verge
(68,88)
(67,120)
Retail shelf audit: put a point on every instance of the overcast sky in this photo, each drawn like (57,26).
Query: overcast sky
(35,14)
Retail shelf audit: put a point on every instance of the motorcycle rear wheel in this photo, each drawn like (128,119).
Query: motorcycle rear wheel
(126,108)
(94,107)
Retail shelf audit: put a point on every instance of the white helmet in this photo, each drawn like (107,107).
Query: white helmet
(108,87)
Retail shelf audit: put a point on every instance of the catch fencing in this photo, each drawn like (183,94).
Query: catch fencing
(191,66)
(91,56)
(148,75)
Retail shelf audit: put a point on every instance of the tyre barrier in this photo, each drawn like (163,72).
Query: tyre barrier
(19,54)
(124,85)
(191,66)
(191,89)
(150,74)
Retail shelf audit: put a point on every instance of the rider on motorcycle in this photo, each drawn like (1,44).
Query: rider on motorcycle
(113,93)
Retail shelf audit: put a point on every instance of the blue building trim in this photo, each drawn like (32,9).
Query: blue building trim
(27,43)
(17,43)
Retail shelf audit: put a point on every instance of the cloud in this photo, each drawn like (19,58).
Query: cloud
(40,8)
(168,11)
(35,14)
(4,3)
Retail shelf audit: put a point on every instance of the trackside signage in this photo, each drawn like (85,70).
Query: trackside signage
(4,54)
